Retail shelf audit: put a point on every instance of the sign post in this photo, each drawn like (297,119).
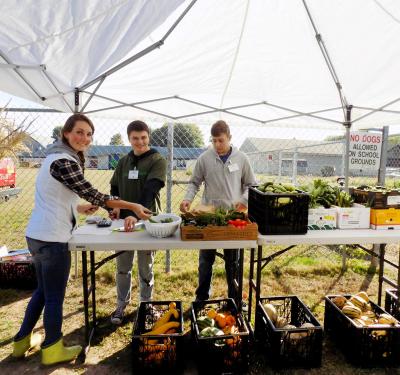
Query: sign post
(365,151)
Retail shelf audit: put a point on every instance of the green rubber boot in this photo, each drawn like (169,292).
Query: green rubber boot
(57,353)
(28,342)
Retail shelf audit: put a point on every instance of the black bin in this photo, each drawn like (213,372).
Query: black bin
(362,346)
(18,275)
(156,354)
(283,347)
(392,303)
(227,354)
(279,213)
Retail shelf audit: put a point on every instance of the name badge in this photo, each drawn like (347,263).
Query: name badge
(133,175)
(233,167)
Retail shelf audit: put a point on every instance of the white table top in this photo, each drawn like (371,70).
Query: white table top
(333,237)
(103,239)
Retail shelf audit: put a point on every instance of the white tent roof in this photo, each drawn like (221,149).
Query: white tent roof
(260,56)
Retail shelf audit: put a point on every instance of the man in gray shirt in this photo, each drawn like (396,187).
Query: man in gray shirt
(227,175)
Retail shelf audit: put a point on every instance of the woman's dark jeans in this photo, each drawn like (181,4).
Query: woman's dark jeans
(52,262)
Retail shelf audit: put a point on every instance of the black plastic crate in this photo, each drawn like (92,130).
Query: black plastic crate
(227,354)
(392,305)
(158,354)
(282,347)
(18,275)
(362,346)
(376,199)
(279,213)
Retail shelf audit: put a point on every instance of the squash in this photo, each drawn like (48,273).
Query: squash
(351,311)
(230,320)
(162,329)
(166,317)
(221,320)
(363,295)
(271,312)
(386,319)
(280,322)
(211,313)
(359,302)
(339,301)
(204,321)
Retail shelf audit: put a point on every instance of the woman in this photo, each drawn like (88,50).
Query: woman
(59,185)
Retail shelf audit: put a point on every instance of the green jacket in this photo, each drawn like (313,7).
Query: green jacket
(152,170)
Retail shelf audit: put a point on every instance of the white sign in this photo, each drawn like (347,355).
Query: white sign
(365,150)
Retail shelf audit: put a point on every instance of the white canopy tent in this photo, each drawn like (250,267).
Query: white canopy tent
(261,60)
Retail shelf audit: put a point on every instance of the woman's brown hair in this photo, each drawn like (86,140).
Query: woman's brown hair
(69,126)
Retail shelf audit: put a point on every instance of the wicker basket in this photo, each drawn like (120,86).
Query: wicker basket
(161,230)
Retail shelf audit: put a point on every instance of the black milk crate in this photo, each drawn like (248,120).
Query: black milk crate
(376,199)
(279,213)
(362,346)
(392,305)
(283,347)
(18,275)
(156,354)
(227,354)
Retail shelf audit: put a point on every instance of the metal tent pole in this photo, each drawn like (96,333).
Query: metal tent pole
(170,146)
(76,110)
(347,125)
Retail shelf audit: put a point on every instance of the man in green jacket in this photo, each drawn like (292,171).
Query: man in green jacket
(138,177)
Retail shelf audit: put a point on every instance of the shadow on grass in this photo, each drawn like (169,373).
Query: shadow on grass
(10,339)
(328,290)
(372,269)
(8,296)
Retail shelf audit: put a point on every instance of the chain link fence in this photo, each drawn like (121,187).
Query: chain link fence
(277,153)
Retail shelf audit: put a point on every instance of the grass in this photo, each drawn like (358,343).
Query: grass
(309,272)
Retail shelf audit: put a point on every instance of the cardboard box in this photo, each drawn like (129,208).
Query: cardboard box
(356,217)
(218,233)
(322,218)
(384,219)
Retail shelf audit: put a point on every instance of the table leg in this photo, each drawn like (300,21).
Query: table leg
(93,287)
(258,280)
(239,294)
(398,285)
(251,276)
(381,269)
(85,295)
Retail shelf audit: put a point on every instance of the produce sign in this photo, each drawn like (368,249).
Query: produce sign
(365,150)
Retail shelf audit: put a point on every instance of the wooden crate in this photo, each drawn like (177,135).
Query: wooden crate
(217,233)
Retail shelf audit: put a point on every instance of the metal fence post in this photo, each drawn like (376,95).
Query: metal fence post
(383,161)
(294,170)
(170,146)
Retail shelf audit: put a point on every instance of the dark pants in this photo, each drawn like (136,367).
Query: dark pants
(206,261)
(52,263)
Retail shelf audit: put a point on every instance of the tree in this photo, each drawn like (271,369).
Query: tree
(56,135)
(116,140)
(11,135)
(185,135)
